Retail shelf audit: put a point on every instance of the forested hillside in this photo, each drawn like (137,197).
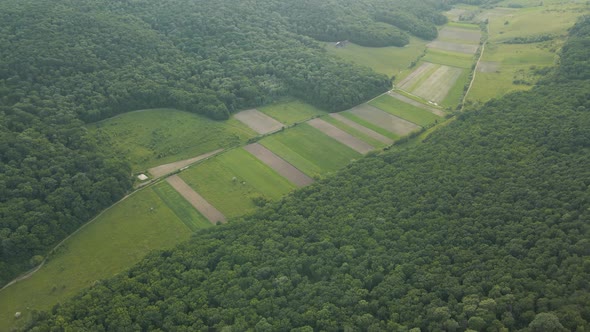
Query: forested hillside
(67,61)
(484,226)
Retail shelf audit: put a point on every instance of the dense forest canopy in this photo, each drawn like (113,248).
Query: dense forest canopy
(484,226)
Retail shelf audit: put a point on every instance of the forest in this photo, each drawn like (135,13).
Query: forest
(482,226)
(64,63)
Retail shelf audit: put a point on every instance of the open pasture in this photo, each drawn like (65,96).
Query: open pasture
(384,120)
(385,60)
(258,121)
(404,110)
(116,240)
(233,179)
(549,19)
(512,62)
(310,150)
(290,111)
(154,137)
(355,129)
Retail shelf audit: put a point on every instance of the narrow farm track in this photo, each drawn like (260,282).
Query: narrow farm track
(196,200)
(341,136)
(362,129)
(277,163)
(483,47)
(165,169)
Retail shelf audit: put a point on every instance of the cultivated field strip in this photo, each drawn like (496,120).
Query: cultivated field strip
(162,170)
(413,102)
(258,121)
(384,120)
(471,36)
(341,136)
(453,47)
(196,200)
(279,164)
(438,85)
(415,75)
(362,129)
(488,66)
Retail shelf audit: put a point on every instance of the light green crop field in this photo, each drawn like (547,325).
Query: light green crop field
(513,62)
(181,207)
(310,150)
(447,58)
(354,132)
(291,111)
(369,125)
(455,94)
(119,238)
(153,137)
(406,111)
(532,21)
(214,180)
(463,25)
(385,60)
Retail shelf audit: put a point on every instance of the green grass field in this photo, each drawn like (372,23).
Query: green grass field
(447,58)
(358,134)
(213,179)
(405,111)
(369,125)
(385,60)
(310,150)
(119,238)
(463,25)
(555,18)
(513,61)
(181,207)
(291,111)
(154,137)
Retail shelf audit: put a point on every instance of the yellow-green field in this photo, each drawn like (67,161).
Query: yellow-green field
(154,137)
(214,180)
(385,60)
(119,238)
(291,111)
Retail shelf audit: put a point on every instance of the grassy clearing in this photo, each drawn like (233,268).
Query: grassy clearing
(213,179)
(369,125)
(405,111)
(515,63)
(310,150)
(463,25)
(386,60)
(291,111)
(556,19)
(181,207)
(119,238)
(447,58)
(154,137)
(354,132)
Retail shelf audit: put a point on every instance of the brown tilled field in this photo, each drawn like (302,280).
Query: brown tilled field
(384,120)
(258,121)
(196,200)
(277,163)
(341,136)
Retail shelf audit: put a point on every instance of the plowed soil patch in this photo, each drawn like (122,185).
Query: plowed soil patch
(277,163)
(258,121)
(196,200)
(341,136)
(384,120)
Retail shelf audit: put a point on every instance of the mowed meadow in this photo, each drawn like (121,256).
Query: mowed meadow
(520,50)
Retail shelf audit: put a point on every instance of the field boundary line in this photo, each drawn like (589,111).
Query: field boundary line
(483,46)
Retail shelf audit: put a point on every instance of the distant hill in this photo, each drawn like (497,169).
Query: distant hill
(484,226)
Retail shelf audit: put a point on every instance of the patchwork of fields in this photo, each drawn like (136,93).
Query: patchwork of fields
(221,177)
